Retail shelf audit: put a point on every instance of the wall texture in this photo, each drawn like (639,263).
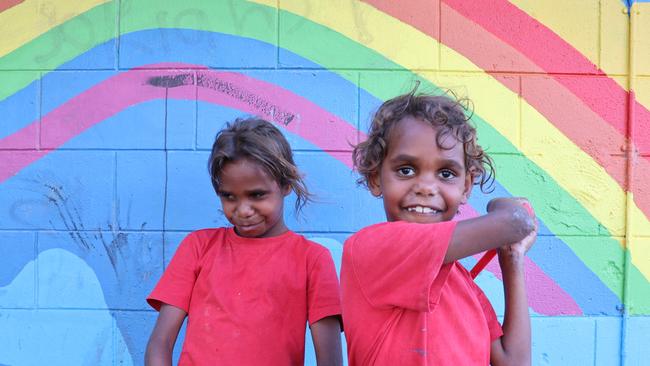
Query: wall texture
(108,110)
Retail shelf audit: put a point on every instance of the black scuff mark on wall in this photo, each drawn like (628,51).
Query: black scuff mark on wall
(257,103)
(171,81)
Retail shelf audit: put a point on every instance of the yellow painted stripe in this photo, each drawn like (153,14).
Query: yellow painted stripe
(31,18)
(570,19)
(642,39)
(576,175)
(607,48)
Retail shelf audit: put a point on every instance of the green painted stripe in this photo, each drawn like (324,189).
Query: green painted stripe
(258,22)
(58,46)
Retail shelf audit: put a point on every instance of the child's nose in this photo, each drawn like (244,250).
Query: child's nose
(245,209)
(426,186)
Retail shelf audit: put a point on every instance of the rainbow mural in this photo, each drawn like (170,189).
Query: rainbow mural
(108,110)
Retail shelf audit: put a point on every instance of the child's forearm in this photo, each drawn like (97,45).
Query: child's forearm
(516,340)
(507,222)
(326,335)
(158,354)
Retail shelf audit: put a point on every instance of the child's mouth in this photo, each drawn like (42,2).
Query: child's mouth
(422,210)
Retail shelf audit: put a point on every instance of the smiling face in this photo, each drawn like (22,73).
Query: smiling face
(252,200)
(419,181)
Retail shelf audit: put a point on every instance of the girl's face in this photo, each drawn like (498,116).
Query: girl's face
(252,200)
(419,181)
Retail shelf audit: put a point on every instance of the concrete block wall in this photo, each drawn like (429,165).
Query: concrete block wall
(103,165)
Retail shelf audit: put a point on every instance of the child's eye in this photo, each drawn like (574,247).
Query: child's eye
(447,174)
(405,171)
(226,196)
(258,195)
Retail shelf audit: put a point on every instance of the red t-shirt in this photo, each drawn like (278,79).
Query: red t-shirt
(402,306)
(248,300)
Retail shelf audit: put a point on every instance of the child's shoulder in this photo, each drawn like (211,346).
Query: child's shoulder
(308,244)
(207,233)
(203,239)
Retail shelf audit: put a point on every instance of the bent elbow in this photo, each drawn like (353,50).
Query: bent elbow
(521,222)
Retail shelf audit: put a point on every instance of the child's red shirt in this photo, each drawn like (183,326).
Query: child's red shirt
(248,300)
(403,306)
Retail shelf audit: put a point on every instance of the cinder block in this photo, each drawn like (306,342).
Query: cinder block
(642,112)
(337,206)
(19,110)
(46,337)
(242,37)
(18,270)
(172,241)
(614,37)
(140,202)
(642,41)
(58,87)
(191,201)
(638,272)
(70,30)
(569,20)
(608,341)
(551,103)
(523,178)
(589,269)
(636,351)
(132,330)
(139,126)
(639,222)
(65,190)
(306,107)
(358,39)
(114,270)
(211,118)
(563,341)
(330,92)
(181,123)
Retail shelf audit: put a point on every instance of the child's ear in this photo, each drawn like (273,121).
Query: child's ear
(286,190)
(374,185)
(469,183)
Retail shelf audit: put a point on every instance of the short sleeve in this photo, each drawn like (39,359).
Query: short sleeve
(490,316)
(401,264)
(323,293)
(177,282)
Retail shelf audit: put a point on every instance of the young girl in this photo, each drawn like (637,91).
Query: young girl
(406,300)
(249,290)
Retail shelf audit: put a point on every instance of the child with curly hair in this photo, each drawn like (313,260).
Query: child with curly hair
(406,300)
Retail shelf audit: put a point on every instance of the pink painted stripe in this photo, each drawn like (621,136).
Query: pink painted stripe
(545,296)
(6,4)
(542,298)
(85,110)
(526,34)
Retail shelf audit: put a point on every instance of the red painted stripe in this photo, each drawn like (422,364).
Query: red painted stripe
(548,94)
(554,55)
(6,4)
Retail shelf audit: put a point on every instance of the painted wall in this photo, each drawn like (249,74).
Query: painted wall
(108,110)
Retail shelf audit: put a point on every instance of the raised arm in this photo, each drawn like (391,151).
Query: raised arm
(162,340)
(507,221)
(326,334)
(514,347)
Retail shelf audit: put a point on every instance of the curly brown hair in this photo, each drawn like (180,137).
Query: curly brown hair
(446,113)
(260,141)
